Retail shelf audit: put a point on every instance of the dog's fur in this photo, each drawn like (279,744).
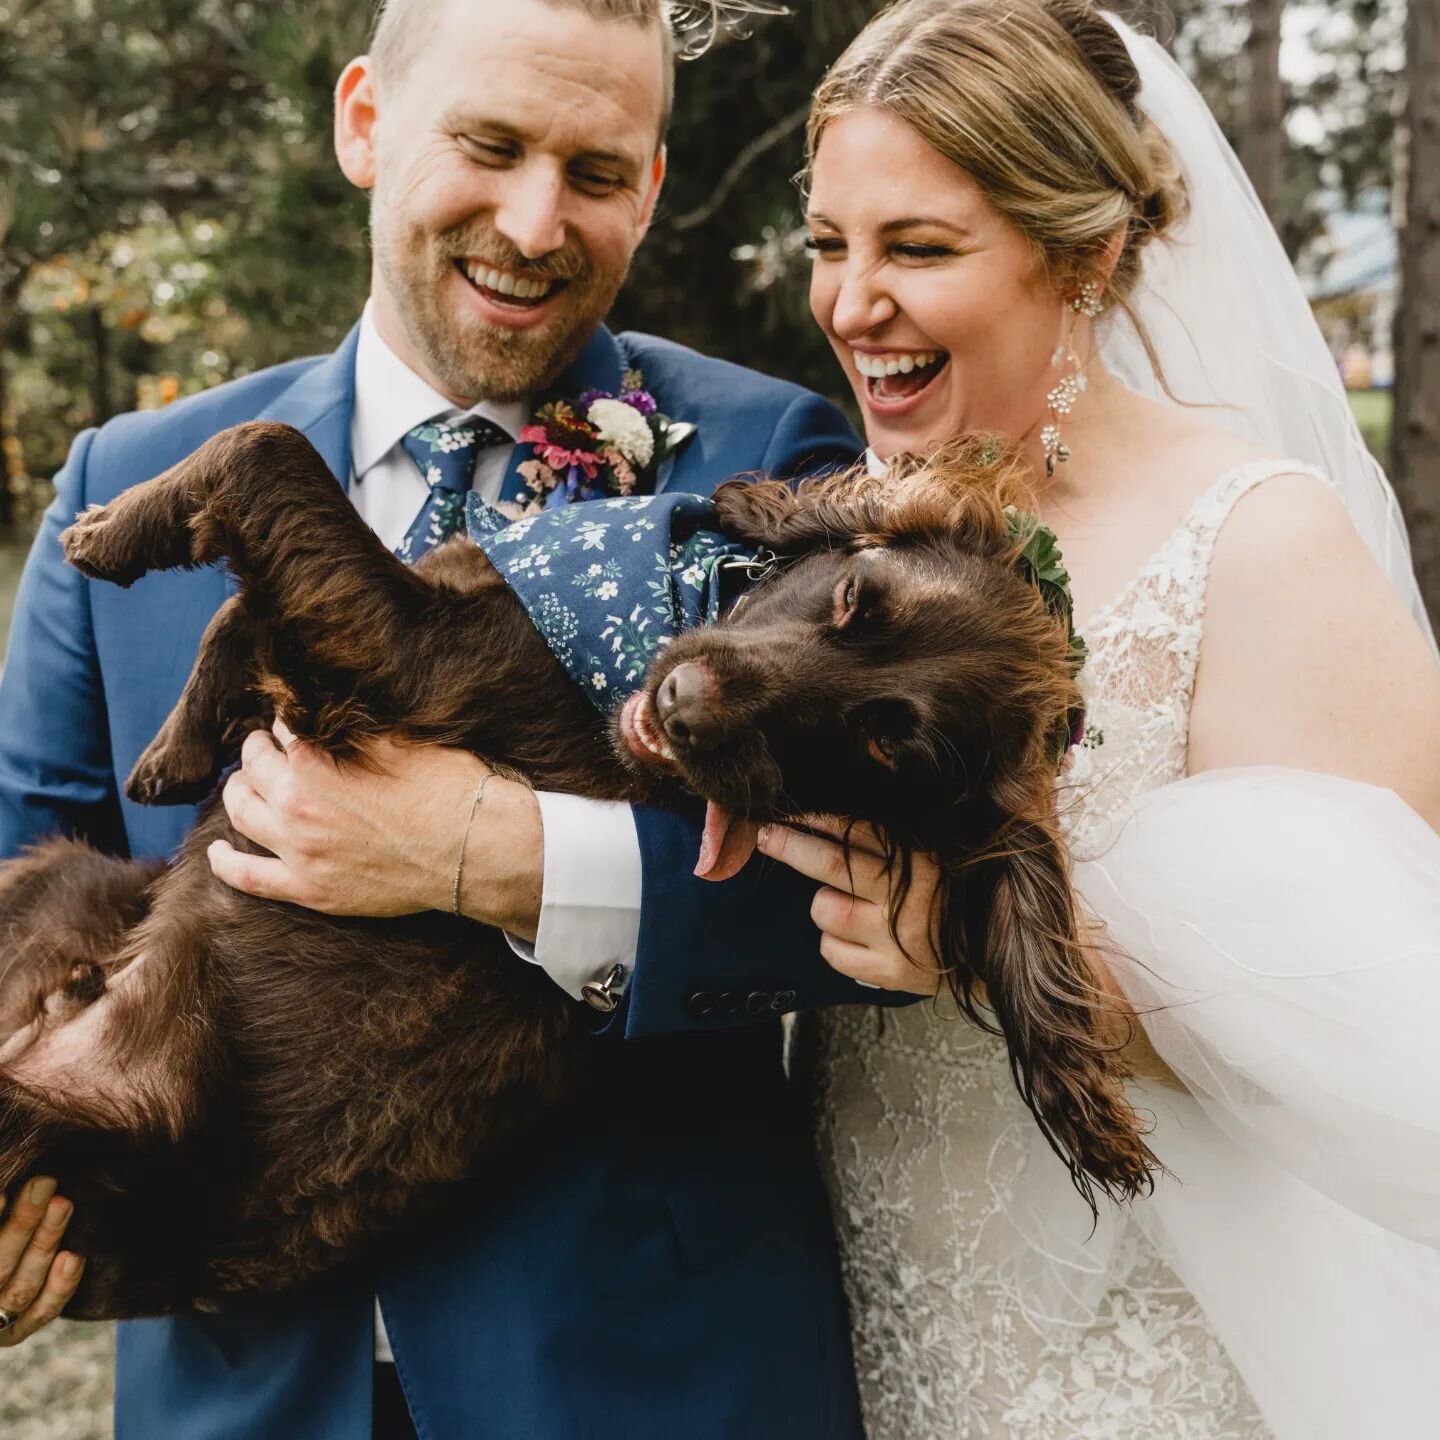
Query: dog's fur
(239,1094)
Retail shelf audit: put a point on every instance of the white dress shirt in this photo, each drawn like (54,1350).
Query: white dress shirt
(590,901)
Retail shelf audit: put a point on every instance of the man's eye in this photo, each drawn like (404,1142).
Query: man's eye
(590,180)
(490,154)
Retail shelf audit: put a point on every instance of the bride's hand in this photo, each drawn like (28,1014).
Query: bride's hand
(853,908)
(35,1282)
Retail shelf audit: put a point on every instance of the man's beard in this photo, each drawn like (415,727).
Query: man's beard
(470,359)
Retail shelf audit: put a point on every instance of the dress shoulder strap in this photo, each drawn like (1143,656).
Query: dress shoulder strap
(1194,544)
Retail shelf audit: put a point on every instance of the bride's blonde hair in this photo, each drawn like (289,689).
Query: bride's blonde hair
(1037,100)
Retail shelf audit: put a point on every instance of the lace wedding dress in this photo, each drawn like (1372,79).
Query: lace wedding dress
(926,1144)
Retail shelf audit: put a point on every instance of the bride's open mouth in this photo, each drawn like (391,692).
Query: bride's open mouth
(896,381)
(643,736)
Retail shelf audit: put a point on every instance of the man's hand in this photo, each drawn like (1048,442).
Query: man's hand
(381,839)
(854,907)
(35,1281)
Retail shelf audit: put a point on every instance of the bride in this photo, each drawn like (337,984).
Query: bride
(1024,220)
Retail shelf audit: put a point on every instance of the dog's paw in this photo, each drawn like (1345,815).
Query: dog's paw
(173,772)
(99,547)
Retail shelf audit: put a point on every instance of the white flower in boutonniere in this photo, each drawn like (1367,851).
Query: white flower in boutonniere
(625,428)
(598,445)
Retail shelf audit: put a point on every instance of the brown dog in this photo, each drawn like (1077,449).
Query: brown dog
(238,1094)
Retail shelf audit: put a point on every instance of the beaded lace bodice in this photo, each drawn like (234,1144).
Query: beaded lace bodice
(924,1140)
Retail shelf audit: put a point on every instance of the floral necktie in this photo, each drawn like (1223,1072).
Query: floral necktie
(445,455)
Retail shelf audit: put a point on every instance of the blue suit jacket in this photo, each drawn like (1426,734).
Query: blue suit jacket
(660,1265)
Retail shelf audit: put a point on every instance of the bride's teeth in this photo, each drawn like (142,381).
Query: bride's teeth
(876,367)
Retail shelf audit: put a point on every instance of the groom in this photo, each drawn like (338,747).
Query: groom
(661,1264)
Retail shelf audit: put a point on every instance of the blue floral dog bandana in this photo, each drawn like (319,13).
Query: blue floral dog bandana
(610,583)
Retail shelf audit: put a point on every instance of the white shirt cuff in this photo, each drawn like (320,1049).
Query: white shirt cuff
(590,904)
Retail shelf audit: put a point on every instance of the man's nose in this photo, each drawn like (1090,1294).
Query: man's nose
(688,703)
(531,216)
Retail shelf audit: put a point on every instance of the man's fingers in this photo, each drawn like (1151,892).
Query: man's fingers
(825,860)
(27,1279)
(61,1282)
(261,875)
(248,812)
(262,760)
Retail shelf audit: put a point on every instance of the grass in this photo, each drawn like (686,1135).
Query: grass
(1375,412)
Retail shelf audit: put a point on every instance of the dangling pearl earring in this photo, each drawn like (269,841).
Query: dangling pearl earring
(1062,399)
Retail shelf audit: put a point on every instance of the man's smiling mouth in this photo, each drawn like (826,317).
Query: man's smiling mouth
(505,287)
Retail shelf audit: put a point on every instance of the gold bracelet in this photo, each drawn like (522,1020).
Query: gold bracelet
(465,839)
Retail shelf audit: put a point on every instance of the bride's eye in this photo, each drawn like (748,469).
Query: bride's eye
(818,245)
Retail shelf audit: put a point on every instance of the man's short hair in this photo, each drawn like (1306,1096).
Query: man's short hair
(402,25)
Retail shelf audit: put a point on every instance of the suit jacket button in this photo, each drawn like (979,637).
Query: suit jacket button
(784,1001)
(701,1005)
(758,1002)
(730,1002)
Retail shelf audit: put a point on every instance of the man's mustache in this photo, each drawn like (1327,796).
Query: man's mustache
(568,263)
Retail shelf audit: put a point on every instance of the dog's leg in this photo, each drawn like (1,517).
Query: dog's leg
(258,495)
(180,764)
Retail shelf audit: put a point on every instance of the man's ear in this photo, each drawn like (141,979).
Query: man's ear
(657,183)
(356,113)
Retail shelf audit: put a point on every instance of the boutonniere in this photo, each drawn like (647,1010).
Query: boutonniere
(597,446)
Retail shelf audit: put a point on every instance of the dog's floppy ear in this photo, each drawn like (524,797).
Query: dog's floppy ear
(818,514)
(1009,922)
(962,489)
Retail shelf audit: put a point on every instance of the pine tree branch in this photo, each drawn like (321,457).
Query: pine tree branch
(761,145)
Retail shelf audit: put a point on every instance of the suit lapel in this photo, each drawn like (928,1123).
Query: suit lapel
(321,403)
(599,366)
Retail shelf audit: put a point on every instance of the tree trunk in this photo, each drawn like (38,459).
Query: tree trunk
(1416,459)
(100,360)
(9,303)
(1262,147)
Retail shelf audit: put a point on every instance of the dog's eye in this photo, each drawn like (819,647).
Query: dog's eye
(883,750)
(847,601)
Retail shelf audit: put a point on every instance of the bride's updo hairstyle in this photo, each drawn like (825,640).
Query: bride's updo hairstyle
(1038,101)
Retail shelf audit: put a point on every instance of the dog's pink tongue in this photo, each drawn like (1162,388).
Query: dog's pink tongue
(726,844)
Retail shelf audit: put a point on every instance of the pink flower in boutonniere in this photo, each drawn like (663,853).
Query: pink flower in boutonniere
(597,445)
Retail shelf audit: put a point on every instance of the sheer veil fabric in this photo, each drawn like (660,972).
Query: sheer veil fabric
(1226,315)
(1279,931)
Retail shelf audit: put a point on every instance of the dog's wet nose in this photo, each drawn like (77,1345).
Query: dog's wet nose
(685,704)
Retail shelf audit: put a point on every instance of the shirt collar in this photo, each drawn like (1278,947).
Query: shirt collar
(391,400)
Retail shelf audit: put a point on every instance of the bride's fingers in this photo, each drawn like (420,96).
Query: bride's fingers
(859,872)
(861,835)
(25,1214)
(61,1283)
(846,917)
(27,1279)
(876,970)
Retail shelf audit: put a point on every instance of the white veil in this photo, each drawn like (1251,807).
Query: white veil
(1233,329)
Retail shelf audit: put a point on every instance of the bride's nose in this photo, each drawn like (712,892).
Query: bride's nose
(862,305)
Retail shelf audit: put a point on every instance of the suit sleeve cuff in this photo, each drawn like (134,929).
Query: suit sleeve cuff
(590,904)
